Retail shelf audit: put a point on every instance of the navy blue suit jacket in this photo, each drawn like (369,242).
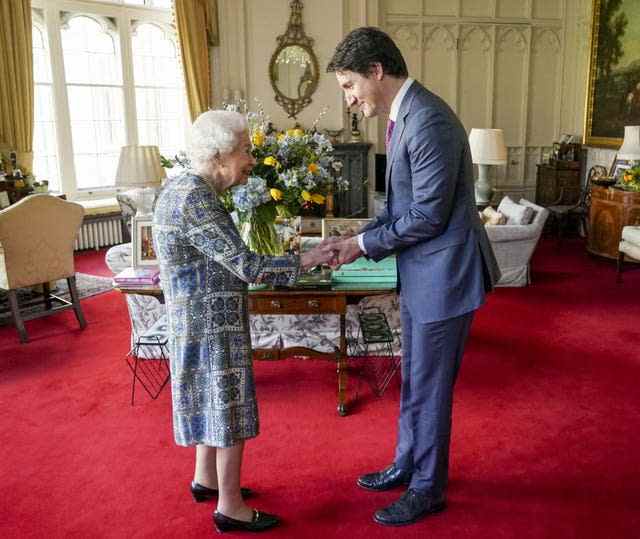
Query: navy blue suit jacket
(445,260)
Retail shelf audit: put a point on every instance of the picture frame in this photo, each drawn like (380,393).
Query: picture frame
(619,169)
(335,226)
(613,87)
(142,242)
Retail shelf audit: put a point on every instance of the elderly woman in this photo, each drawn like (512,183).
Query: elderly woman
(205,268)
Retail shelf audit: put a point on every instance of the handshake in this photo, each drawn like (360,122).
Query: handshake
(332,251)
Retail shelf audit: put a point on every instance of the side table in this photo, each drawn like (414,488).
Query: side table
(611,209)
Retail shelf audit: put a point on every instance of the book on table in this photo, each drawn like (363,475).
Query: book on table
(142,275)
(365,273)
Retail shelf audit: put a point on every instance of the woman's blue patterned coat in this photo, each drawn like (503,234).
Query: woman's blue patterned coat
(204,270)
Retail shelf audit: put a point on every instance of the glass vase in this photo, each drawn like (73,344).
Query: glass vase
(261,237)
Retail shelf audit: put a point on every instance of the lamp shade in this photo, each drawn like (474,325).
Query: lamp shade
(630,148)
(487,146)
(139,166)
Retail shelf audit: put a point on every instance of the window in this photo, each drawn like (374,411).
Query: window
(160,93)
(45,151)
(116,80)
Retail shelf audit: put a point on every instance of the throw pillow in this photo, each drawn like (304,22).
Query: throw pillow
(492,217)
(514,212)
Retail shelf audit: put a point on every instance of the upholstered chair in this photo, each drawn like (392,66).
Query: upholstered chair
(514,242)
(36,248)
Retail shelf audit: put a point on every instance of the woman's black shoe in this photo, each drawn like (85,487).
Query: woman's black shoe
(204,494)
(259,522)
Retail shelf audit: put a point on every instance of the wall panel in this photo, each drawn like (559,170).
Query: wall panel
(544,90)
(441,7)
(513,8)
(473,84)
(439,61)
(477,8)
(510,83)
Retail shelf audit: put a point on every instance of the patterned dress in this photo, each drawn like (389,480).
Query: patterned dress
(204,270)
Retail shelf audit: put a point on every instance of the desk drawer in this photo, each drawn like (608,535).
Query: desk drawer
(297,305)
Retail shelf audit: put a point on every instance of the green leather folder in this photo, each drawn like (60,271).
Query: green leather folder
(363,271)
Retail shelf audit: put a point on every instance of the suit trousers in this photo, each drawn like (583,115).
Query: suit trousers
(431,356)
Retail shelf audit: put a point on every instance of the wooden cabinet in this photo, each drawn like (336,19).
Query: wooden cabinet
(611,209)
(355,169)
(558,183)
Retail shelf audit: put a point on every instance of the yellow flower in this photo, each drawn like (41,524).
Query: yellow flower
(276,194)
(258,138)
(313,168)
(280,137)
(317,198)
(306,195)
(297,133)
(271,161)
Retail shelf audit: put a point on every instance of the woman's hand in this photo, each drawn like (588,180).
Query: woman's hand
(321,254)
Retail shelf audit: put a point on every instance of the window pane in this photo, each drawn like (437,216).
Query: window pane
(45,149)
(97,129)
(45,158)
(160,96)
(90,54)
(41,64)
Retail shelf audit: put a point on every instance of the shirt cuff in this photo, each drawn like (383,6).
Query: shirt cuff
(360,239)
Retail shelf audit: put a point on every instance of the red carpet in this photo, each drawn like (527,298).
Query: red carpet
(544,444)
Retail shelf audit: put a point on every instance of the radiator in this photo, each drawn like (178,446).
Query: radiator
(99,232)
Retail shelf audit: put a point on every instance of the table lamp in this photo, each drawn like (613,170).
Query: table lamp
(487,148)
(140,170)
(630,149)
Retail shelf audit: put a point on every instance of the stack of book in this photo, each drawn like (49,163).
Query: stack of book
(138,276)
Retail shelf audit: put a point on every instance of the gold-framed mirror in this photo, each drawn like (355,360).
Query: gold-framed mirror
(293,69)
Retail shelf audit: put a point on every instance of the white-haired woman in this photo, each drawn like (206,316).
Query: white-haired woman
(205,268)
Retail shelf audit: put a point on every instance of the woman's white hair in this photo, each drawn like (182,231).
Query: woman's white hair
(215,132)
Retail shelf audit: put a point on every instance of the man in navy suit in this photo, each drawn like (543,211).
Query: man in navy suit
(445,261)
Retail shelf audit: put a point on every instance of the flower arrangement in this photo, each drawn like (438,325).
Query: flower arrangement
(295,171)
(631,179)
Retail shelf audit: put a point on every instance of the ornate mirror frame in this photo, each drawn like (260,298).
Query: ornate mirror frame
(294,35)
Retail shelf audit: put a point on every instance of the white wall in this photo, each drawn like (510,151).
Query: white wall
(248,38)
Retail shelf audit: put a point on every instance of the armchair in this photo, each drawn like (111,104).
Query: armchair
(513,244)
(36,247)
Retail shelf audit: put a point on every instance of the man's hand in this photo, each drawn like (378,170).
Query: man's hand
(346,250)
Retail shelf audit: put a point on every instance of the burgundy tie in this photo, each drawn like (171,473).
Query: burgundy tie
(387,137)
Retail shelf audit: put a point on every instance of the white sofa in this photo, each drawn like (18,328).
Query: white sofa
(514,244)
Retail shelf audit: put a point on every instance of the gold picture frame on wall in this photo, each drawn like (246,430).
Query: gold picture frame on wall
(613,87)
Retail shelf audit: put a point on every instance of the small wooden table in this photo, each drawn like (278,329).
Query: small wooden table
(611,209)
(300,301)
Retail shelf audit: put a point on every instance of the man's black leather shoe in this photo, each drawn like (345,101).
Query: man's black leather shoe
(411,507)
(388,478)
(201,493)
(259,522)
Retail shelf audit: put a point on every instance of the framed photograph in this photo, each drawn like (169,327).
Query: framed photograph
(613,91)
(619,169)
(342,227)
(142,242)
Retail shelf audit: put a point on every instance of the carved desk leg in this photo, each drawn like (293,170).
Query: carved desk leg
(342,367)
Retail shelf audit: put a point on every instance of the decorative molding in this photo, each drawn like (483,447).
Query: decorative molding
(465,37)
(108,24)
(405,33)
(545,39)
(509,36)
(439,33)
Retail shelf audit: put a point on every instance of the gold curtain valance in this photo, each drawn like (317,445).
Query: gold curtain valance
(16,73)
(197,24)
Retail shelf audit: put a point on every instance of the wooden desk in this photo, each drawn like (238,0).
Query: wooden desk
(300,301)
(611,209)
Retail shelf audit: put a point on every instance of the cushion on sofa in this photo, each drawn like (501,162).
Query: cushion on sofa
(490,216)
(515,213)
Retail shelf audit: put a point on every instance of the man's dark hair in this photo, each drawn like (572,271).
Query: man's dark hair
(363,47)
